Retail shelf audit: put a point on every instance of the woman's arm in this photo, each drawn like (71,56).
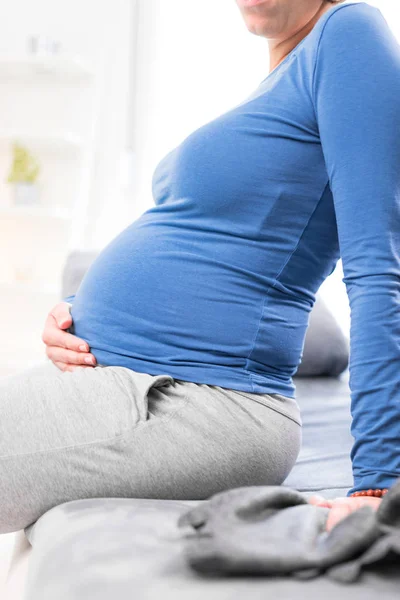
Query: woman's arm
(356,96)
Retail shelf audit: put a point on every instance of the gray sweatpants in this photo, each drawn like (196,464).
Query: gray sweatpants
(114,432)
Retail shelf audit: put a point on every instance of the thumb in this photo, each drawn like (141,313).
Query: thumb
(64,320)
(319,500)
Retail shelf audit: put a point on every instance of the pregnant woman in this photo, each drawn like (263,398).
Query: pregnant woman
(195,316)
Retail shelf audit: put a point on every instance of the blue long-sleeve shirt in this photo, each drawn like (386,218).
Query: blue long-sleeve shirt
(215,283)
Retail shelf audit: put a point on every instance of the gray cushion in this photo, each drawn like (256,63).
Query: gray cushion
(116,548)
(326,348)
(324,459)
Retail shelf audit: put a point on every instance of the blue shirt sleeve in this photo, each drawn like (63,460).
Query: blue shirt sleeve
(69,299)
(356,97)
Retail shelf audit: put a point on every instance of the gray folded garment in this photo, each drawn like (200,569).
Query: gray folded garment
(273,530)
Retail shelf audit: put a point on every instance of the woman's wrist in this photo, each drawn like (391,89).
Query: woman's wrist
(371,492)
(373,480)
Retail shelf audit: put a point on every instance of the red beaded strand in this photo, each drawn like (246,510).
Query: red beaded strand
(376,493)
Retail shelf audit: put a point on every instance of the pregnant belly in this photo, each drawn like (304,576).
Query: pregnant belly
(157,299)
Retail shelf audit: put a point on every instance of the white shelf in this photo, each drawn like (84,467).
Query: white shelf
(35,211)
(49,143)
(45,67)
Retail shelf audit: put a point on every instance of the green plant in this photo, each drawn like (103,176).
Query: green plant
(25,167)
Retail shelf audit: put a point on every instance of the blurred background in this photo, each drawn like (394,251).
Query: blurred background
(93,94)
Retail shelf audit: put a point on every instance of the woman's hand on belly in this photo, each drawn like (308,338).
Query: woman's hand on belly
(64,349)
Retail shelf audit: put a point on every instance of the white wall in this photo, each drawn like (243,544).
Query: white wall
(195,61)
(100,32)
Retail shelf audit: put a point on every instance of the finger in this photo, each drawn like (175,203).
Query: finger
(62,314)
(315,498)
(70,357)
(336,514)
(54,336)
(318,500)
(59,365)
